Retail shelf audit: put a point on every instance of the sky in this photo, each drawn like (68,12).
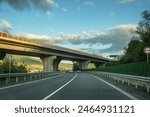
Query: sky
(95,26)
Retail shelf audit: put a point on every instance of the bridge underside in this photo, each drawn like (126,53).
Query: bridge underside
(51,63)
(50,57)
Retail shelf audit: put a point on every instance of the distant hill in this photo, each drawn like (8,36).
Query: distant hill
(35,64)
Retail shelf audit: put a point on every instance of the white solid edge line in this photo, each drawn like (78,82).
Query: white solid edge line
(7,87)
(120,90)
(59,88)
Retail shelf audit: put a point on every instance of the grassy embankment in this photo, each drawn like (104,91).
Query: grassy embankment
(139,69)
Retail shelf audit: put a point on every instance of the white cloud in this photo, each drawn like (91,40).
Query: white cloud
(89,3)
(85,46)
(126,1)
(42,38)
(5,26)
(124,26)
(114,40)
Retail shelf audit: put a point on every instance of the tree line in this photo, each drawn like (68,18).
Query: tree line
(16,67)
(140,39)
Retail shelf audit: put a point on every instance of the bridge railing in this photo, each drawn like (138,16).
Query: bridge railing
(137,81)
(23,77)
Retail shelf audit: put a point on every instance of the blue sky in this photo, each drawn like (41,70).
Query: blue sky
(95,26)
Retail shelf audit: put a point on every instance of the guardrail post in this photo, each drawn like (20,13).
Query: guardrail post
(122,81)
(136,84)
(35,76)
(17,79)
(118,80)
(30,77)
(7,80)
(24,78)
(128,82)
(43,76)
(148,88)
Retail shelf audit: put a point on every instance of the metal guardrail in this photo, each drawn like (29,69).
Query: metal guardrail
(17,77)
(129,79)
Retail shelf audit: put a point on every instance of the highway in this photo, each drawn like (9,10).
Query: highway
(68,86)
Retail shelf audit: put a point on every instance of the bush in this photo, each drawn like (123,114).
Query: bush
(16,67)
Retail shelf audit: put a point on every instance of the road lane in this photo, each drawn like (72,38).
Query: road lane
(35,90)
(70,86)
(86,87)
(53,93)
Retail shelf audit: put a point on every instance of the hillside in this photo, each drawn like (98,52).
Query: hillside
(35,64)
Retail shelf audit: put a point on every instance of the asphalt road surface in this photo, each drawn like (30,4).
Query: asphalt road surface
(68,86)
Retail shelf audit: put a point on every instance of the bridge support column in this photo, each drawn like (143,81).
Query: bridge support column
(56,64)
(84,65)
(2,55)
(48,63)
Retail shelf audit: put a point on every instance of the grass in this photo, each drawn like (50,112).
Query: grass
(139,69)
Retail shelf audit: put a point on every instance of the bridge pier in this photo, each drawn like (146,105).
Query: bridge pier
(56,64)
(84,64)
(48,63)
(2,55)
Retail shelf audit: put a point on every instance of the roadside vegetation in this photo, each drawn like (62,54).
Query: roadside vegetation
(31,64)
(138,69)
(133,61)
(140,40)
(16,67)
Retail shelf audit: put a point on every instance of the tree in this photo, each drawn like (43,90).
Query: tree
(134,51)
(143,28)
(16,67)
(76,66)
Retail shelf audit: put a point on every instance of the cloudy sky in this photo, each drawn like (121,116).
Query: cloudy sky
(95,26)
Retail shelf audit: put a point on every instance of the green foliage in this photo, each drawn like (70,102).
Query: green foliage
(138,69)
(15,67)
(76,66)
(140,40)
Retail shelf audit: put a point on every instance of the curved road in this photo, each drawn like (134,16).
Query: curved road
(68,86)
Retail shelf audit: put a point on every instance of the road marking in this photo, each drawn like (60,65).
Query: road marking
(7,87)
(60,88)
(120,90)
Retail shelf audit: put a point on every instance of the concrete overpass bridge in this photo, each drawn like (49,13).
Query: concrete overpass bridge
(50,55)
